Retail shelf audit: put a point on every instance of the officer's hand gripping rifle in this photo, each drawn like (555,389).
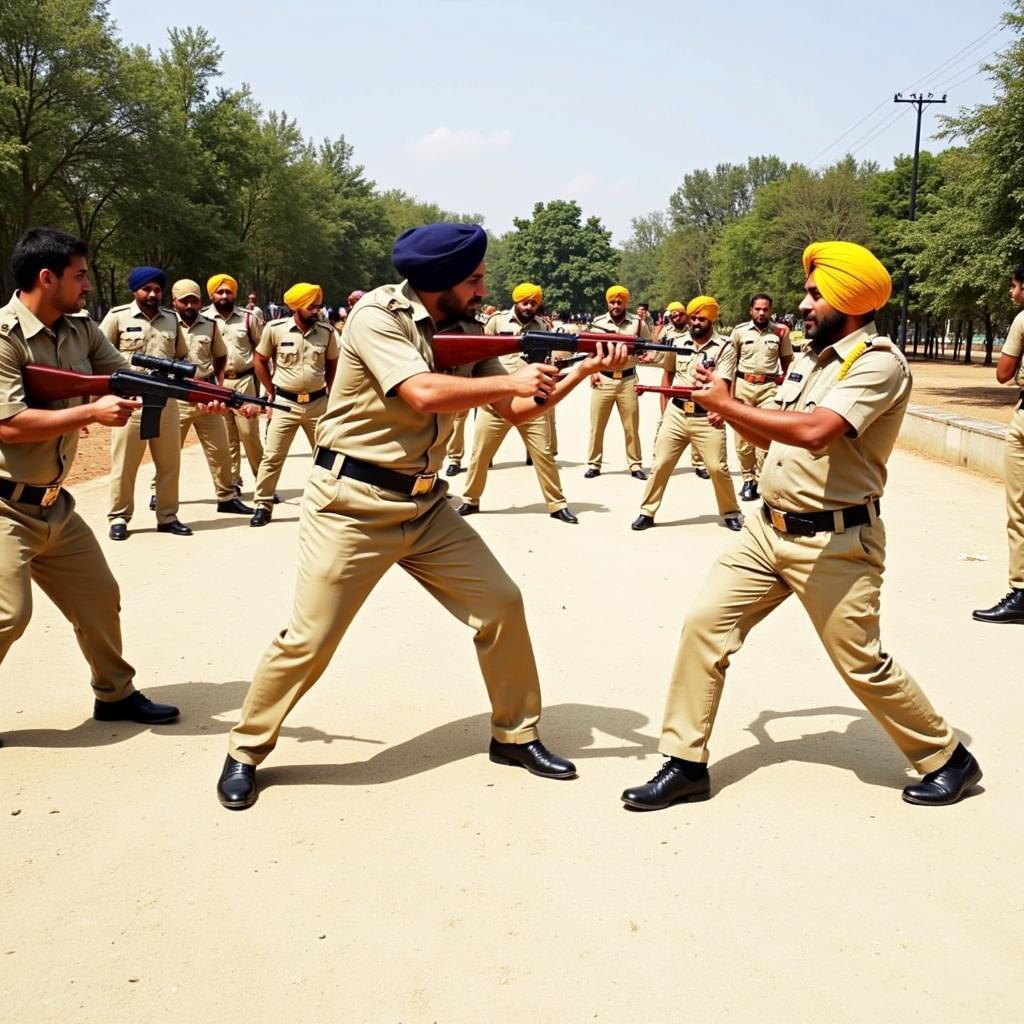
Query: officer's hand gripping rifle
(169,378)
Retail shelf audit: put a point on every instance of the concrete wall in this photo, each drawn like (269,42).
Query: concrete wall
(960,440)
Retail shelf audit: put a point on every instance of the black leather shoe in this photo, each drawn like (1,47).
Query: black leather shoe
(467,509)
(564,515)
(529,460)
(235,505)
(260,517)
(677,782)
(277,499)
(642,522)
(733,523)
(702,473)
(452,470)
(175,526)
(136,707)
(119,531)
(591,472)
(534,757)
(1009,609)
(236,787)
(949,783)
(152,503)
(748,492)
(638,474)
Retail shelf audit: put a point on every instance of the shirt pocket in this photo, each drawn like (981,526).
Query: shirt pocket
(201,348)
(317,357)
(162,344)
(789,392)
(287,355)
(131,341)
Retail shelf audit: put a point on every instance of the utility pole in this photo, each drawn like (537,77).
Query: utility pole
(919,100)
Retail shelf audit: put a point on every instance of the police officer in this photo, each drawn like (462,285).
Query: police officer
(1008,369)
(763,352)
(819,537)
(240,329)
(207,351)
(616,388)
(42,538)
(491,427)
(304,352)
(374,500)
(144,326)
(686,422)
(457,445)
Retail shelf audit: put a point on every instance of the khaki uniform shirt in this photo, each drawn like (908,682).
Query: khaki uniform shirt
(506,322)
(628,325)
(299,359)
(76,344)
(241,334)
(872,397)
(684,363)
(1014,346)
(386,341)
(758,351)
(130,330)
(672,335)
(204,345)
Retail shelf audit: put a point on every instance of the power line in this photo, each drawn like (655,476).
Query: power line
(867,142)
(973,45)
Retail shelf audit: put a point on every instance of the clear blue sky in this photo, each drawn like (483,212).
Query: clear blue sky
(491,107)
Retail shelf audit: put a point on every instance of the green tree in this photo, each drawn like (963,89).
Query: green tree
(571,259)
(641,257)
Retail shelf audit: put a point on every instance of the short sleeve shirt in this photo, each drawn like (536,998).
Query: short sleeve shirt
(241,333)
(630,324)
(670,334)
(866,380)
(387,340)
(204,344)
(75,343)
(300,358)
(1014,346)
(683,364)
(132,332)
(760,351)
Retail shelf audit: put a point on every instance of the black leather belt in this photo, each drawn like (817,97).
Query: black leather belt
(689,407)
(231,375)
(302,397)
(378,476)
(619,374)
(30,495)
(807,524)
(1020,401)
(756,378)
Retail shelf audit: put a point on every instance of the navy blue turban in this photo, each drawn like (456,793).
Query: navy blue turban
(437,257)
(141,276)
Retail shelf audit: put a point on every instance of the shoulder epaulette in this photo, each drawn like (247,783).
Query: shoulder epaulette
(279,320)
(120,309)
(7,321)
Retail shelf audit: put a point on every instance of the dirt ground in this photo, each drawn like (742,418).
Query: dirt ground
(390,873)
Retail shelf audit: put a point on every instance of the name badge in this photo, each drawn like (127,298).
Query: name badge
(795,376)
(129,330)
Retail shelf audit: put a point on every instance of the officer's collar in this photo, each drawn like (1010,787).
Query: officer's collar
(29,323)
(844,346)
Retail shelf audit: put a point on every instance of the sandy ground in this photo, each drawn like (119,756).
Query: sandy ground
(390,873)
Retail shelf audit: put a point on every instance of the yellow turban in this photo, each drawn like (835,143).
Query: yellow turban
(526,290)
(674,307)
(703,305)
(616,292)
(849,277)
(303,295)
(217,280)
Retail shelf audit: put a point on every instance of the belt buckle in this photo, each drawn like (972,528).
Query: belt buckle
(778,519)
(303,398)
(689,406)
(231,375)
(616,375)
(51,496)
(424,484)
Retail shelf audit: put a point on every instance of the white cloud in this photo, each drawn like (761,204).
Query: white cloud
(443,144)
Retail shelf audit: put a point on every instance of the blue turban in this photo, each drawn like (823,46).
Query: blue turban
(141,276)
(437,257)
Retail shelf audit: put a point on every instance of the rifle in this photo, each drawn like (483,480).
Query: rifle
(170,378)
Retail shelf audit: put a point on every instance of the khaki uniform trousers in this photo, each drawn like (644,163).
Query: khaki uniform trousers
(349,536)
(752,458)
(618,394)
(212,432)
(1014,467)
(280,433)
(59,552)
(242,432)
(552,428)
(126,451)
(489,432)
(676,433)
(457,442)
(837,577)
